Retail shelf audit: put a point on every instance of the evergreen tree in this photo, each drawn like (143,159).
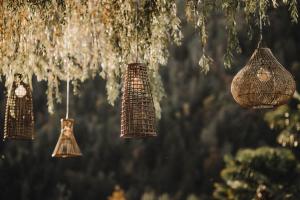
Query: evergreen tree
(261,174)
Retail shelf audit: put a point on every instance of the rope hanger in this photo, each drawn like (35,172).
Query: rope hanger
(260,25)
(68,93)
(68,81)
(136,29)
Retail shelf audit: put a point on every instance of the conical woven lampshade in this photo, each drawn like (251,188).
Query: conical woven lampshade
(19,120)
(66,145)
(263,82)
(138,113)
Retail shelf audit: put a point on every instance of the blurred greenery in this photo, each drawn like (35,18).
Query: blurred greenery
(200,124)
(261,174)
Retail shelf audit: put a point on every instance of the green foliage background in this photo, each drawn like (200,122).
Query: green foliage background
(277,171)
(200,124)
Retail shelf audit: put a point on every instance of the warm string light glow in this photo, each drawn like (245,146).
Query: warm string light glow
(289,137)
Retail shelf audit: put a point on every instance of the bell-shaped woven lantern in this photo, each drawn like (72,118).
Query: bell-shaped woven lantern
(66,146)
(138,113)
(263,82)
(19,120)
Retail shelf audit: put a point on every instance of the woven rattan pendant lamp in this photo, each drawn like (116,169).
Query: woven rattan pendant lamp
(263,82)
(67,146)
(19,120)
(138,113)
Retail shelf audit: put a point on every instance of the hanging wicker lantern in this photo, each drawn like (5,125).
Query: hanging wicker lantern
(66,145)
(138,113)
(19,120)
(263,82)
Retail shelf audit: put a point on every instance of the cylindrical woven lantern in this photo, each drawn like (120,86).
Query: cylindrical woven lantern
(19,120)
(263,82)
(138,113)
(66,145)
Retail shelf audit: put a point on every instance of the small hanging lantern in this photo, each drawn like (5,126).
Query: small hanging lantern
(263,82)
(66,145)
(19,120)
(138,113)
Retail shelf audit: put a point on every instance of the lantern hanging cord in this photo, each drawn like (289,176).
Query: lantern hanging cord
(260,25)
(68,79)
(68,93)
(195,15)
(3,21)
(136,29)
(204,24)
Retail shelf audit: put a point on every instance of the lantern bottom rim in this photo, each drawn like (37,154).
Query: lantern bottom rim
(138,136)
(263,106)
(66,155)
(19,137)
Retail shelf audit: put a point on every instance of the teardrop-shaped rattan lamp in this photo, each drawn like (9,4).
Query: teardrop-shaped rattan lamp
(138,113)
(19,120)
(263,82)
(66,146)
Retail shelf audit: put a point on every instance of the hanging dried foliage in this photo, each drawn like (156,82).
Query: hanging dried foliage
(19,120)
(263,82)
(138,113)
(93,37)
(66,146)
